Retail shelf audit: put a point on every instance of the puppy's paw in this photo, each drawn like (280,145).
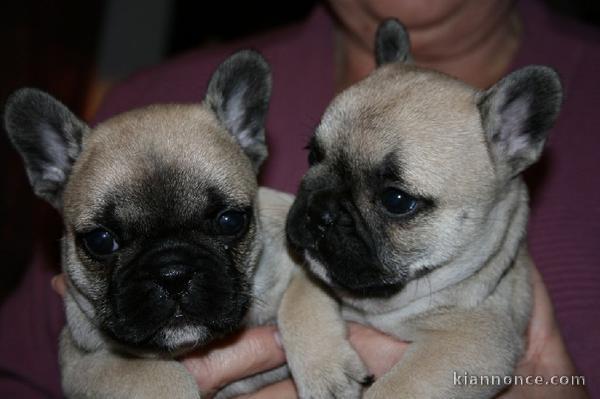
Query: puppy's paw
(165,390)
(377,392)
(131,379)
(156,379)
(336,373)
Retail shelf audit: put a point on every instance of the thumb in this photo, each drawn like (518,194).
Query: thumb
(58,284)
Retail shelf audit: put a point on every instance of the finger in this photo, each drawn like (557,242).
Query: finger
(244,354)
(542,325)
(281,390)
(379,351)
(545,345)
(58,284)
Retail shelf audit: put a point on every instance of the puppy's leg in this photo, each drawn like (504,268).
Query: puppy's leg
(102,374)
(321,360)
(446,346)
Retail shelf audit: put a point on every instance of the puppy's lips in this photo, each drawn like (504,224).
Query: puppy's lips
(173,316)
(151,342)
(384,286)
(315,266)
(371,289)
(141,310)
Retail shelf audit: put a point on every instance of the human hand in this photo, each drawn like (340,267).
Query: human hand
(258,349)
(58,284)
(244,354)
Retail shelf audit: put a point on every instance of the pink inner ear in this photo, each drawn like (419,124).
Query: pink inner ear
(235,115)
(513,138)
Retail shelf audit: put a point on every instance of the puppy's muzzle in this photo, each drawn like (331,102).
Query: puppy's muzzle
(317,216)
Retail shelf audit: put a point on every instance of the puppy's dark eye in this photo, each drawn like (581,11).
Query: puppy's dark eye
(100,242)
(397,201)
(231,222)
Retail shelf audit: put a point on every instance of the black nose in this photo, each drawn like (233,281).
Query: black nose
(326,217)
(174,278)
(322,209)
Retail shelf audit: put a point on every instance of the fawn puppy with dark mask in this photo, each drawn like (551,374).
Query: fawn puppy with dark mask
(412,220)
(168,241)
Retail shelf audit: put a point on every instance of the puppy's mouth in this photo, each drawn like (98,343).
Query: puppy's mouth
(175,334)
(371,283)
(341,252)
(146,316)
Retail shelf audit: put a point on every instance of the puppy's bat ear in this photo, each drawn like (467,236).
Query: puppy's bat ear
(239,93)
(48,137)
(392,43)
(517,114)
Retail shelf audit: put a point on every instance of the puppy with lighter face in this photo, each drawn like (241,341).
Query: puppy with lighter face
(413,217)
(168,241)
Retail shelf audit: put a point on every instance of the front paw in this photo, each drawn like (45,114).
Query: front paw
(337,372)
(104,375)
(160,391)
(170,382)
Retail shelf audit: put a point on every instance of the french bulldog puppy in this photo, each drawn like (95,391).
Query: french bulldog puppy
(168,241)
(413,214)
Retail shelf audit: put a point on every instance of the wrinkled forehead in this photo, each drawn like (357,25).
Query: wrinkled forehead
(169,160)
(425,122)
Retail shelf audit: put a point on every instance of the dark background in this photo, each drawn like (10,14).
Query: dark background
(77,49)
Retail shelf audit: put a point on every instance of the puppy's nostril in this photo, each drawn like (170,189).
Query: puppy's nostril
(326,217)
(174,277)
(321,218)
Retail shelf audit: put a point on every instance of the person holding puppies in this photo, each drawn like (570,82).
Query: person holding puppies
(478,42)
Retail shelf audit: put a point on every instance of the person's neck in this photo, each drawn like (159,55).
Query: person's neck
(480,59)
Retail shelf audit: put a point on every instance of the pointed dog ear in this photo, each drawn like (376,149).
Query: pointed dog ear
(48,137)
(239,93)
(517,114)
(392,43)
